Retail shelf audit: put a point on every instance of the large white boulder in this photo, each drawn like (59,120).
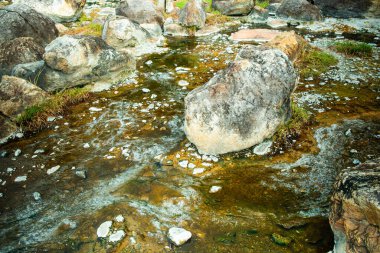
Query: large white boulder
(242,105)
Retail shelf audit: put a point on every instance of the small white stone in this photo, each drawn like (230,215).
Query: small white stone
(37,196)
(145,90)
(132,240)
(263,148)
(95,109)
(179,236)
(117,236)
(39,151)
(20,179)
(104,229)
(183,83)
(149,62)
(191,165)
(53,169)
(184,163)
(50,119)
(119,218)
(17,152)
(198,171)
(86,145)
(215,189)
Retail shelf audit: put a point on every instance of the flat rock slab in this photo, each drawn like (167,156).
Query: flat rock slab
(256,35)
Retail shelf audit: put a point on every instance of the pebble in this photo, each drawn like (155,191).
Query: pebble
(263,148)
(145,90)
(179,236)
(191,165)
(37,196)
(149,62)
(20,179)
(50,119)
(86,145)
(183,83)
(198,171)
(17,152)
(81,173)
(117,236)
(104,229)
(215,189)
(95,109)
(119,218)
(53,169)
(184,163)
(39,151)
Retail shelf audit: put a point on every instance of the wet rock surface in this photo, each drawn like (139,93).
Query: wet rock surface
(242,105)
(233,7)
(355,208)
(299,9)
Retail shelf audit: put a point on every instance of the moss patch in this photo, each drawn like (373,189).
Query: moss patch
(35,117)
(313,62)
(353,48)
(262,3)
(90,29)
(281,240)
(293,128)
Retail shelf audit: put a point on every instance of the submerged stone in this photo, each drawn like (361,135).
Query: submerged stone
(281,240)
(104,229)
(179,236)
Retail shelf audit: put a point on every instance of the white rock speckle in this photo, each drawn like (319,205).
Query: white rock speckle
(179,236)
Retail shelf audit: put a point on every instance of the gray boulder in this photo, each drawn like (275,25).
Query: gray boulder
(140,11)
(18,51)
(193,14)
(122,32)
(18,20)
(8,129)
(243,104)
(78,60)
(233,7)
(299,9)
(17,94)
(349,8)
(355,209)
(32,71)
(58,10)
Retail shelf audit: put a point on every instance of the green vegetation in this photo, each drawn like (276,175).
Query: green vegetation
(35,117)
(300,118)
(262,3)
(180,4)
(90,29)
(314,62)
(281,240)
(84,18)
(353,48)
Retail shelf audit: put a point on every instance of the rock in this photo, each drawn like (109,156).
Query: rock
(193,14)
(104,229)
(77,60)
(281,240)
(122,32)
(198,171)
(18,51)
(243,104)
(37,196)
(119,218)
(60,11)
(215,189)
(140,11)
(17,94)
(277,23)
(17,152)
(290,43)
(175,30)
(183,83)
(263,148)
(53,170)
(117,236)
(233,7)
(8,129)
(81,174)
(299,9)
(349,8)
(18,20)
(256,35)
(179,236)
(31,71)
(355,209)
(293,223)
(184,163)
(20,179)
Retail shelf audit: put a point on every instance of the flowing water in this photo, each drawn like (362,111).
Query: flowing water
(129,142)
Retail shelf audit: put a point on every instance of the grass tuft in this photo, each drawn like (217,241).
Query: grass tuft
(90,29)
(262,3)
(353,48)
(313,62)
(294,127)
(35,117)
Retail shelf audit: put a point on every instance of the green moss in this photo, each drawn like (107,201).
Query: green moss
(35,117)
(281,240)
(314,62)
(262,3)
(353,48)
(180,4)
(300,118)
(84,18)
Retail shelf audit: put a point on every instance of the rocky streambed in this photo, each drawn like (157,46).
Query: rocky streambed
(116,172)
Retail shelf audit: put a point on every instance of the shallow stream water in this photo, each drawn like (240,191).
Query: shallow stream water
(129,142)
